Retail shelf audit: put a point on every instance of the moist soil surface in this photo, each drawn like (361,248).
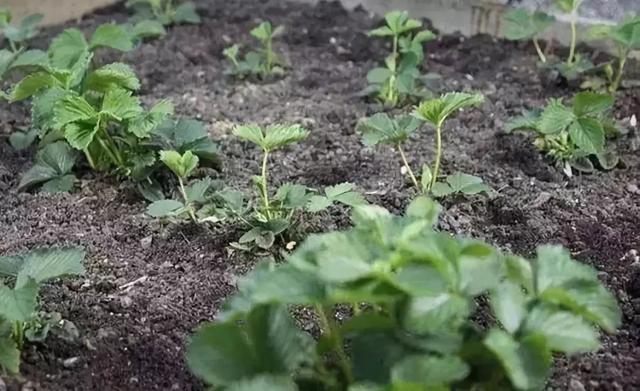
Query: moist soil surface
(147,287)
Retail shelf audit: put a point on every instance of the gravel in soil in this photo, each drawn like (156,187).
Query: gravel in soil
(147,287)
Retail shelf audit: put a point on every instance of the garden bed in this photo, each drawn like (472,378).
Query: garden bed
(147,287)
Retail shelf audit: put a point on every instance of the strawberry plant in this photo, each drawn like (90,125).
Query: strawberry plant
(383,129)
(21,276)
(626,38)
(94,109)
(572,135)
(407,296)
(165,12)
(263,63)
(522,25)
(400,80)
(273,215)
(182,166)
(19,34)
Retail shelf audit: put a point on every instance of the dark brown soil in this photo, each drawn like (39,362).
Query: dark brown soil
(139,301)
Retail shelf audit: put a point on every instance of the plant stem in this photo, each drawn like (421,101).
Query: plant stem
(543,58)
(18,334)
(330,331)
(408,167)
(187,203)
(391,94)
(436,166)
(265,191)
(616,82)
(574,35)
(90,160)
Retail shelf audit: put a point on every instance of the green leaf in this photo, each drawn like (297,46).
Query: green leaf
(18,305)
(67,48)
(26,30)
(278,343)
(143,125)
(81,134)
(381,128)
(165,208)
(251,133)
(436,111)
(591,104)
(61,184)
(568,6)
(508,302)
(221,354)
(263,31)
(520,24)
(9,355)
(342,193)
(113,76)
(186,13)
(436,314)
(278,136)
(30,59)
(425,178)
(73,109)
(269,342)
(148,29)
(555,268)
(440,189)
(120,105)
(564,331)
(181,165)
(463,183)
(22,140)
(526,362)
(527,121)
(555,118)
(588,299)
(54,161)
(379,75)
(429,371)
(383,31)
(44,264)
(588,135)
(111,36)
(31,85)
(264,383)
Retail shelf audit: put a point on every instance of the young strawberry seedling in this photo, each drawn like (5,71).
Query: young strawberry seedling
(522,25)
(18,34)
(413,292)
(571,135)
(626,38)
(165,12)
(263,63)
(275,215)
(19,317)
(382,129)
(182,166)
(400,79)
